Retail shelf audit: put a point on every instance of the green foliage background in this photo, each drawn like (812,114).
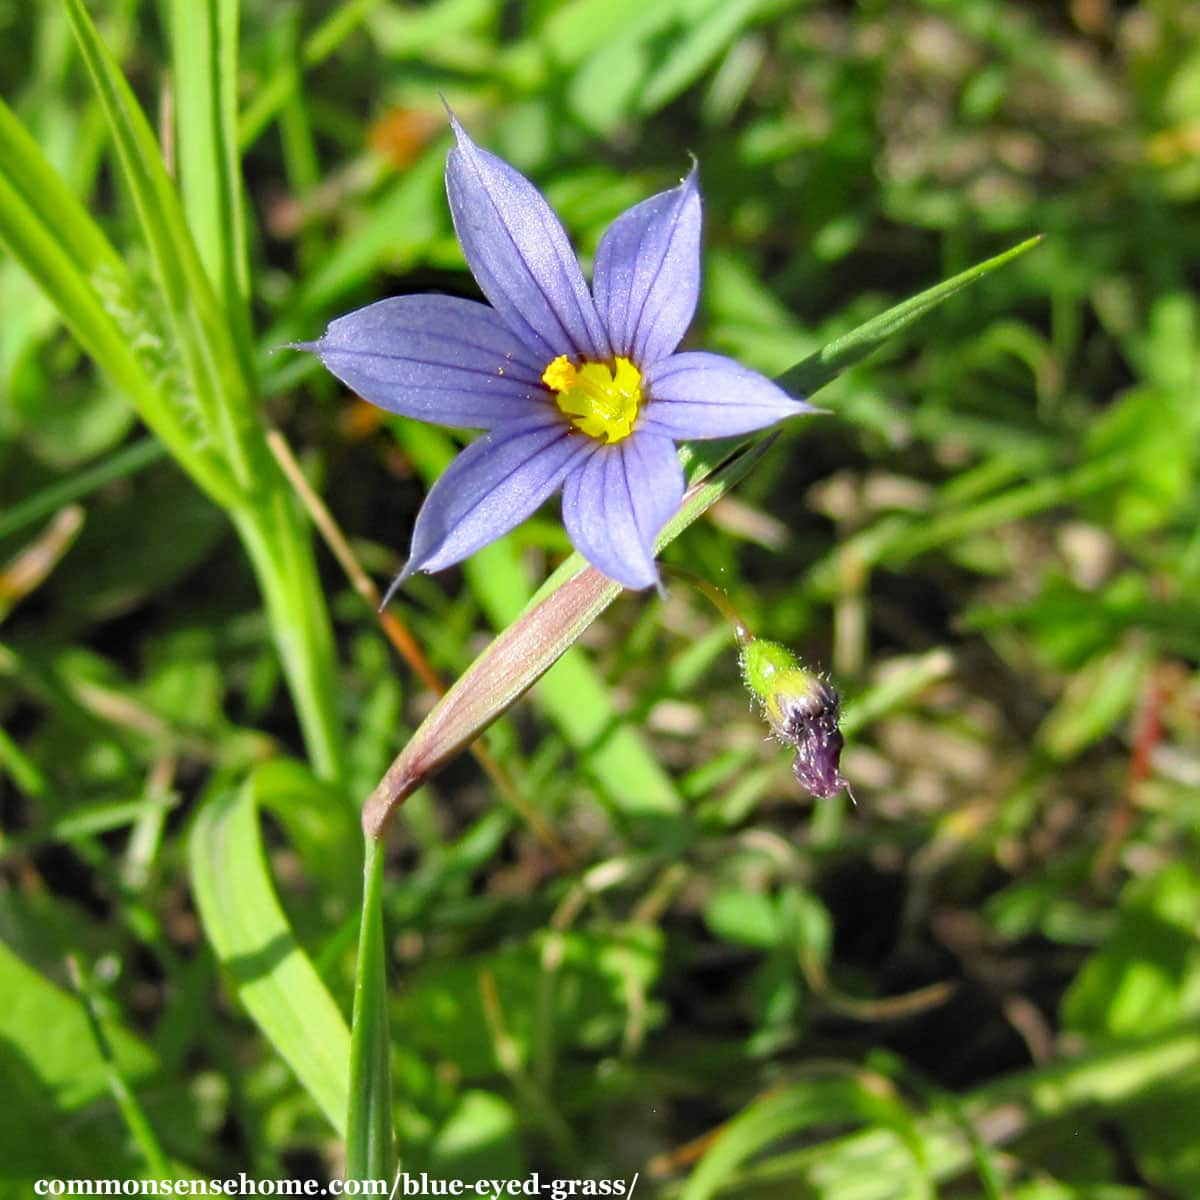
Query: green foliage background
(984,980)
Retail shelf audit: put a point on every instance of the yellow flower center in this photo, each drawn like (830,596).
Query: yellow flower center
(601,399)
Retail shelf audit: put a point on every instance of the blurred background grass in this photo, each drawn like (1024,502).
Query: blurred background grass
(990,965)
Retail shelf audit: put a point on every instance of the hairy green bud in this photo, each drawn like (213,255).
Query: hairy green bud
(803,711)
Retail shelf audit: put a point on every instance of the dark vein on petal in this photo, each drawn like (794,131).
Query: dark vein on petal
(658,270)
(437,364)
(540,448)
(521,258)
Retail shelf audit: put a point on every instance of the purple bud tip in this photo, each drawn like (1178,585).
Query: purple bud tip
(810,723)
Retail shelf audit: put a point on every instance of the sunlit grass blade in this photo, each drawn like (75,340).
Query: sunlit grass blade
(823,1100)
(814,372)
(204,43)
(274,978)
(867,1165)
(369,1122)
(574,596)
(265,515)
(65,1064)
(201,335)
(48,231)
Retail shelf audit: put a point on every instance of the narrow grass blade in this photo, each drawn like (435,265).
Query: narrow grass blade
(50,234)
(132,1113)
(275,980)
(121,464)
(318,46)
(369,1122)
(200,331)
(828,1100)
(564,607)
(870,1164)
(814,372)
(271,530)
(204,43)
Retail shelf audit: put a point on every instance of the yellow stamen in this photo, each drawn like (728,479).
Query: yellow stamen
(601,399)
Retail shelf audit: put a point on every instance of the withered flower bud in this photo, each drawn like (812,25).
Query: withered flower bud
(803,711)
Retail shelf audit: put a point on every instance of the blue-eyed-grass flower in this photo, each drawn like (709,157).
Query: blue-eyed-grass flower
(577,389)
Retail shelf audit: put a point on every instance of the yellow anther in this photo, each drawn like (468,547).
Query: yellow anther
(601,399)
(559,376)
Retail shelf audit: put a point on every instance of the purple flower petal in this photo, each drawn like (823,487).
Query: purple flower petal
(490,488)
(700,395)
(616,503)
(436,358)
(520,256)
(647,278)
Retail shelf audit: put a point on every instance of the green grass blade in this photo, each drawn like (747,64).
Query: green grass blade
(132,1113)
(866,1165)
(818,369)
(274,978)
(829,1100)
(50,234)
(318,46)
(25,168)
(266,517)
(201,334)
(204,43)
(121,464)
(369,1122)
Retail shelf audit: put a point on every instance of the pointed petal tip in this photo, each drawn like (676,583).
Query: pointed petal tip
(463,140)
(311,347)
(410,569)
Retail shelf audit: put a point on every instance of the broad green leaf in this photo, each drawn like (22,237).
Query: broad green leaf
(51,1028)
(481,1139)
(273,977)
(1166,1148)
(1097,696)
(747,918)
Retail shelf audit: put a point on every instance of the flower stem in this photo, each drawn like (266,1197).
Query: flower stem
(718,599)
